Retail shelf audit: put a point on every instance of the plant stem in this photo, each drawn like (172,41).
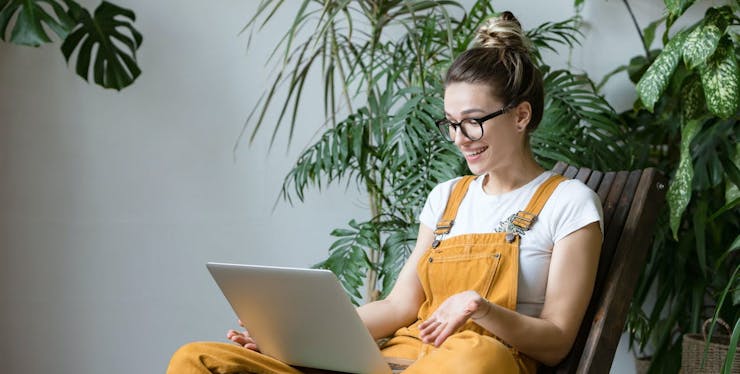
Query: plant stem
(372,274)
(374,196)
(637,26)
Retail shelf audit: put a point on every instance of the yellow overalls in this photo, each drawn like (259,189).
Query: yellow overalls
(486,263)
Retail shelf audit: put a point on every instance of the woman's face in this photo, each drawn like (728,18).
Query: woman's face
(503,136)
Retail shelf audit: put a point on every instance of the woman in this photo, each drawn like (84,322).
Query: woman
(505,261)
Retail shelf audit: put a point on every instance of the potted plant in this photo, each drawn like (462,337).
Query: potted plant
(686,121)
(382,90)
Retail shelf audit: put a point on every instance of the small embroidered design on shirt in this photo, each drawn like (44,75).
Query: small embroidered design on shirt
(508,225)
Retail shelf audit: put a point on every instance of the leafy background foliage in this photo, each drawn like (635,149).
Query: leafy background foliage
(382,92)
(390,83)
(108,32)
(686,124)
(382,63)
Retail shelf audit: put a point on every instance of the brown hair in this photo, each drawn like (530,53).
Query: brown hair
(501,59)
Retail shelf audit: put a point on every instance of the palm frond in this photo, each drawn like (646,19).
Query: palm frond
(578,125)
(390,84)
(548,34)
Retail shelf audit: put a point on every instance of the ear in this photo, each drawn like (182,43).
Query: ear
(523,114)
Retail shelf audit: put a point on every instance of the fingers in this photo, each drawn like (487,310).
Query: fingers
(436,332)
(432,335)
(452,314)
(233,333)
(424,325)
(237,337)
(441,325)
(444,332)
(428,332)
(243,339)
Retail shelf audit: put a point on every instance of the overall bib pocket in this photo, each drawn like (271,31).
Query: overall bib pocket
(449,274)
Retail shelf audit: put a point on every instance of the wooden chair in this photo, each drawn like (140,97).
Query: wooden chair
(631,201)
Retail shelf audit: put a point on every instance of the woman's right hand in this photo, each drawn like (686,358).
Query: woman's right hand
(242,338)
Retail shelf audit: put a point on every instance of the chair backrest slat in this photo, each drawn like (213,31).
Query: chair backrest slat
(570,172)
(603,188)
(595,179)
(623,195)
(559,168)
(612,197)
(583,174)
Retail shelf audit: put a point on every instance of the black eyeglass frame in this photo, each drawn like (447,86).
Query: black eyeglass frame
(444,124)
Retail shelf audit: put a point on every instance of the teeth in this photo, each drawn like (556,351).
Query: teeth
(475,153)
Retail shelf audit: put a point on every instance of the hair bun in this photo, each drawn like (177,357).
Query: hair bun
(503,32)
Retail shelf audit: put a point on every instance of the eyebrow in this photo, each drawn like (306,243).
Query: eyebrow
(467,111)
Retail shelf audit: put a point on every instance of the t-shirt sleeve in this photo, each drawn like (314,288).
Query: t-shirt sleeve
(435,204)
(579,206)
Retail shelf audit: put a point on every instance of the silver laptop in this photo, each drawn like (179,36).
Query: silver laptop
(300,316)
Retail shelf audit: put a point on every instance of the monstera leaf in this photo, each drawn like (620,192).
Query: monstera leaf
(111,29)
(116,39)
(30,19)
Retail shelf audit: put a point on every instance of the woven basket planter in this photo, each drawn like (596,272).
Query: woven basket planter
(693,352)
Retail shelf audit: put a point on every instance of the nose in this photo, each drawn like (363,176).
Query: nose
(460,138)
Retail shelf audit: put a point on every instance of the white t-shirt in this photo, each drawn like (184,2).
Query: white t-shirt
(571,206)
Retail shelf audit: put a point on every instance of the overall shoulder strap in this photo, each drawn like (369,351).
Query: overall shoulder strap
(525,218)
(453,203)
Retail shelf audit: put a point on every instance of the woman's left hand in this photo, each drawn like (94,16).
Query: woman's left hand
(451,315)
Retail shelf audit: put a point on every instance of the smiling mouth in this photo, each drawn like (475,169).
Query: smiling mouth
(475,153)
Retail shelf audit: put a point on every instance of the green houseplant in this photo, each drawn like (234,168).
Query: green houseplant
(686,123)
(382,91)
(382,64)
(109,28)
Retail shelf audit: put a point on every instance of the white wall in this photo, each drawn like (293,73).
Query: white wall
(111,203)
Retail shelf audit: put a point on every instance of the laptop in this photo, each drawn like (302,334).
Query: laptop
(300,316)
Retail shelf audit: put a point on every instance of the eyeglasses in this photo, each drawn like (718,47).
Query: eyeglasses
(472,128)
